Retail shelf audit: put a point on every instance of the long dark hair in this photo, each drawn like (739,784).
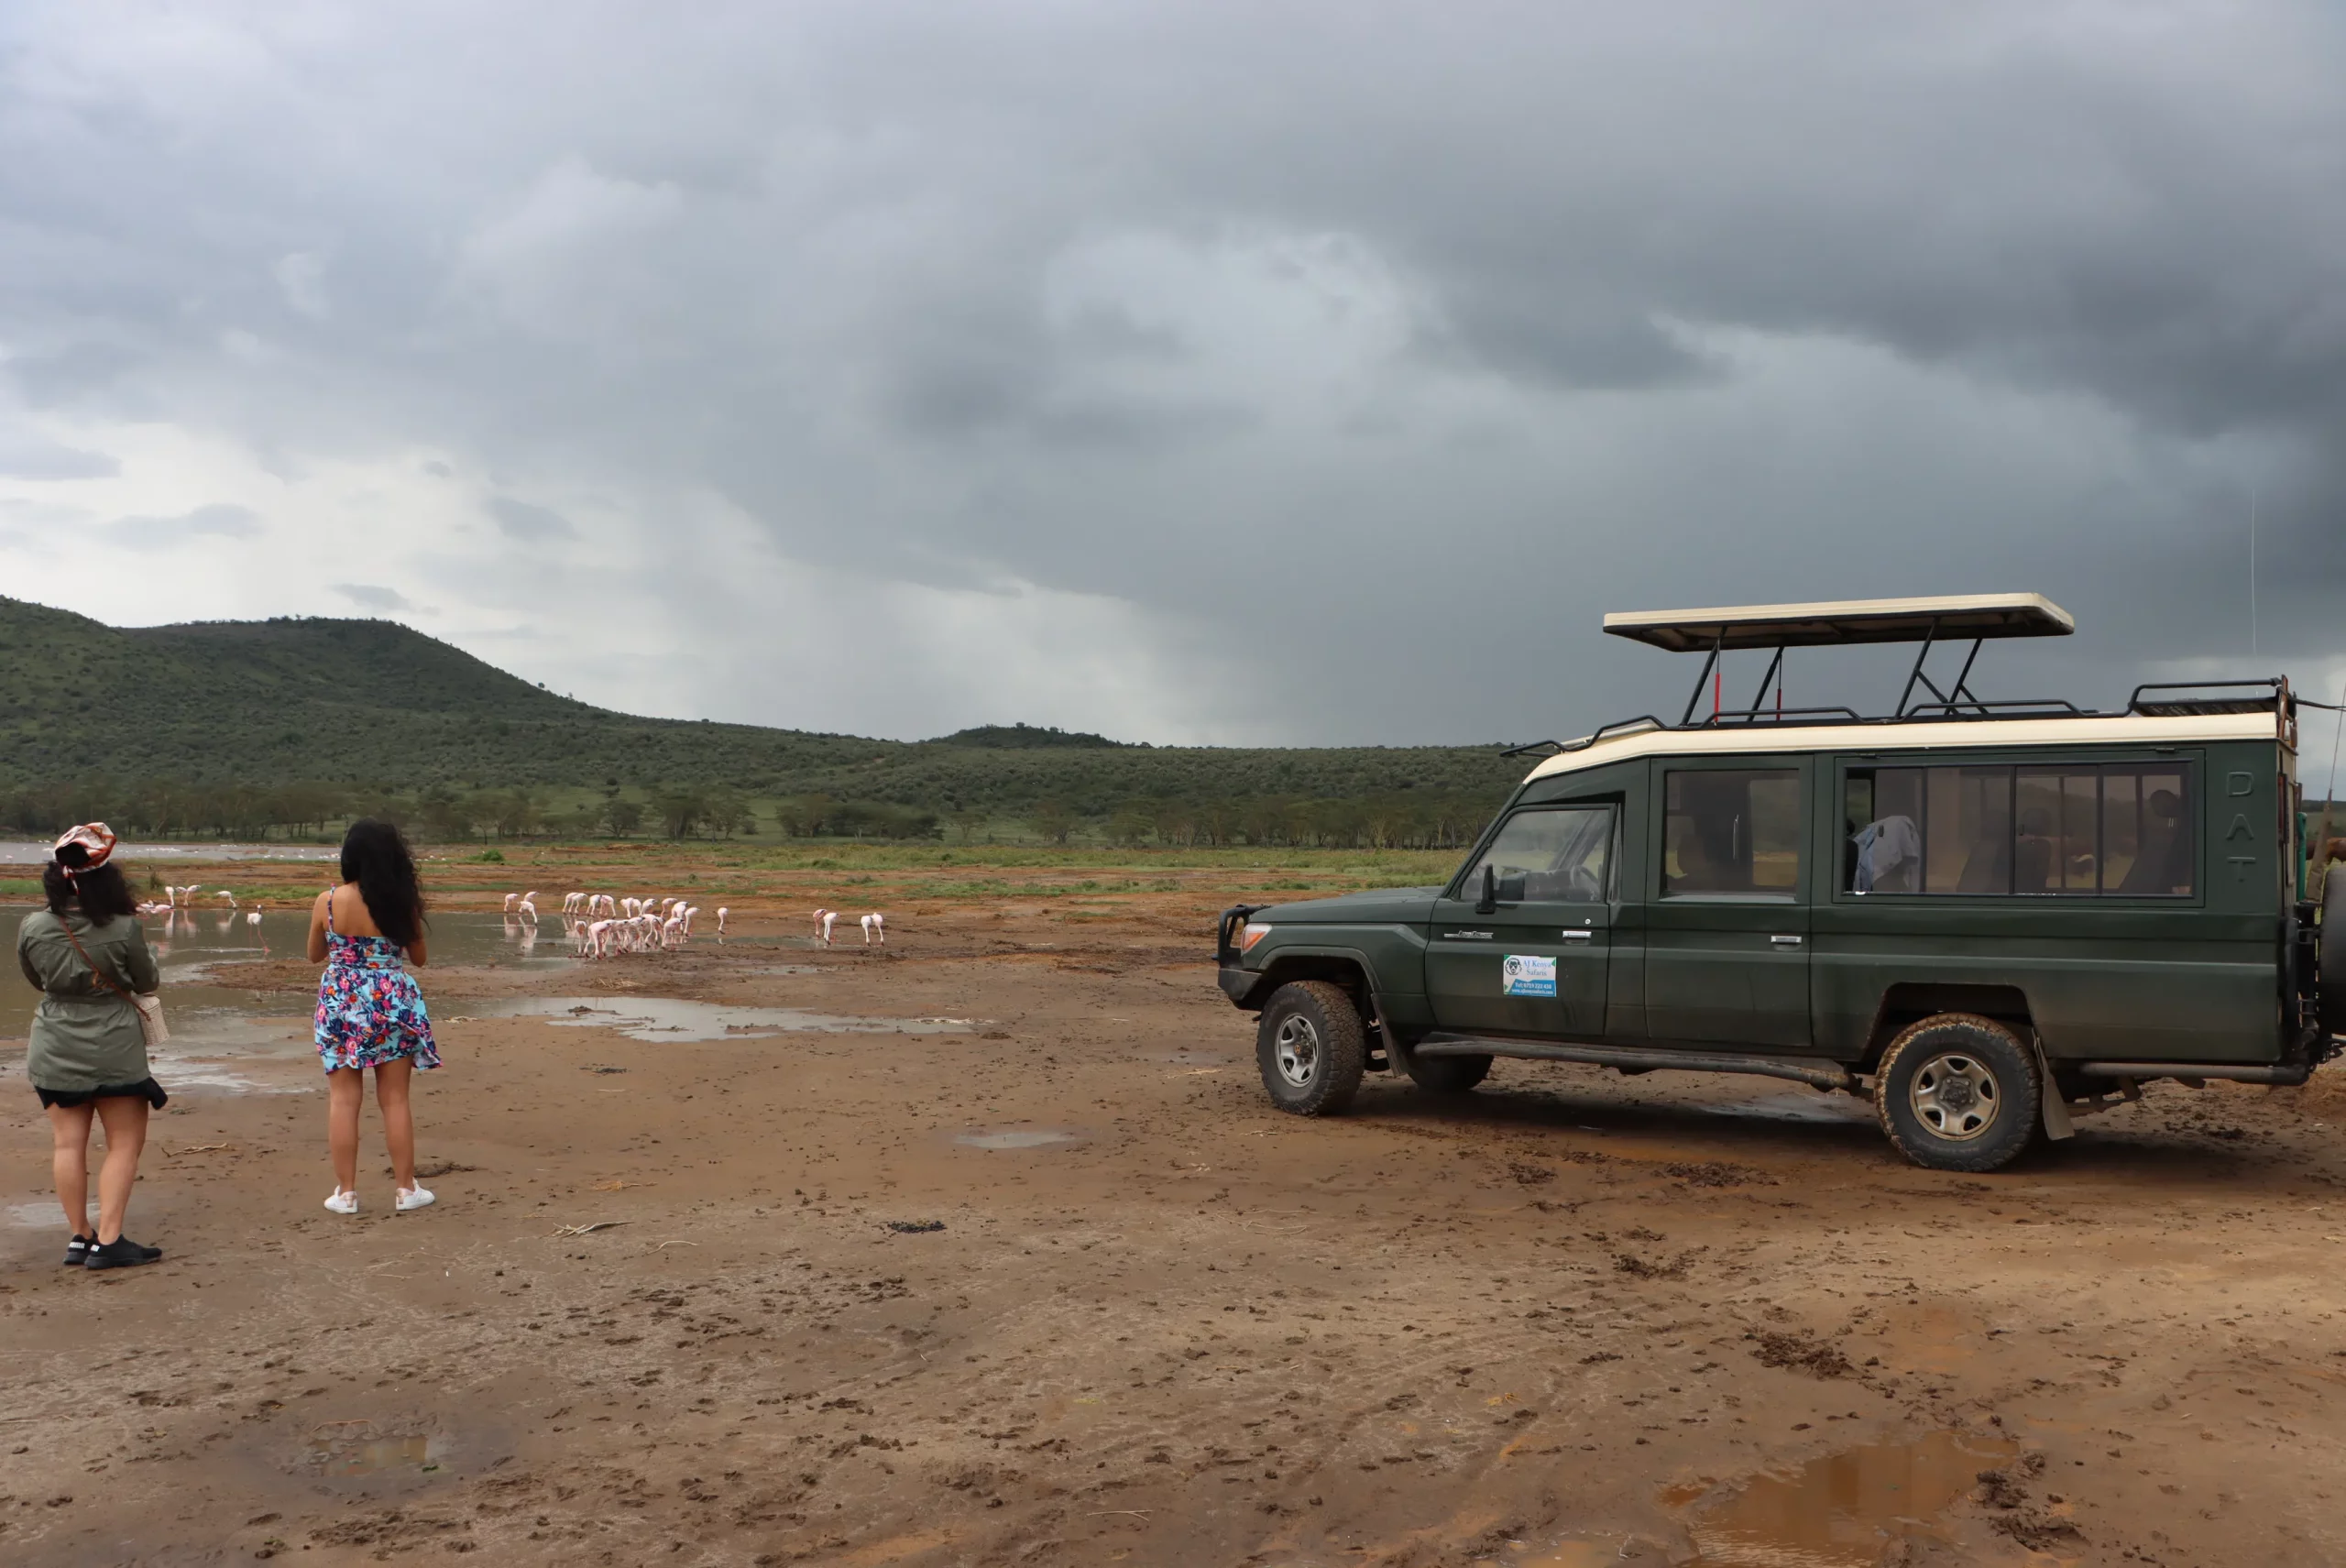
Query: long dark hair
(102,894)
(376,858)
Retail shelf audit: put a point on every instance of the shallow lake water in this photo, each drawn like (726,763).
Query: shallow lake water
(33,852)
(211,1018)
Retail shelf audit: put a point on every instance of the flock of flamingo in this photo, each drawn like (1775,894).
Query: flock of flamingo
(180,903)
(598,924)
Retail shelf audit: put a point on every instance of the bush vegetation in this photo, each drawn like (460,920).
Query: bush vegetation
(291,727)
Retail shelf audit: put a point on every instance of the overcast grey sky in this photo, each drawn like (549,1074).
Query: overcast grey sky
(1251,372)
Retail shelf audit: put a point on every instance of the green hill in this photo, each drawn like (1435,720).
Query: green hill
(1024,737)
(238,726)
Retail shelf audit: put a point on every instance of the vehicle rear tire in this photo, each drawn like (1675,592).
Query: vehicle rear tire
(1448,1075)
(1310,1047)
(1958,1093)
(2330,978)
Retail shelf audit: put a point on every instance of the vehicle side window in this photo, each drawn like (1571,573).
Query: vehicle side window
(1547,855)
(1731,832)
(2072,830)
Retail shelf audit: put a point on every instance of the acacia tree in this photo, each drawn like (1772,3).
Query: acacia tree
(681,811)
(1054,821)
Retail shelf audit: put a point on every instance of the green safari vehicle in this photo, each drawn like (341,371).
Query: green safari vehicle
(1990,917)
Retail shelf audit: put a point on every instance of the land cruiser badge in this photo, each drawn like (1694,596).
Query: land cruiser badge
(1528,974)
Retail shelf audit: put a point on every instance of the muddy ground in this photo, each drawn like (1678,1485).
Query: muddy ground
(1571,1319)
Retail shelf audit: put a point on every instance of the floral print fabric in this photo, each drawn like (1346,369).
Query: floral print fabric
(370,1010)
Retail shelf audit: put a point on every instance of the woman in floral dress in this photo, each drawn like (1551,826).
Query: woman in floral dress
(370,1014)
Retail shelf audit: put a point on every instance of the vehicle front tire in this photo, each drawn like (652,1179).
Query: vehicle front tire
(1958,1093)
(1310,1047)
(1448,1075)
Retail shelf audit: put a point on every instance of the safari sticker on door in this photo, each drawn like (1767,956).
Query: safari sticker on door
(1528,974)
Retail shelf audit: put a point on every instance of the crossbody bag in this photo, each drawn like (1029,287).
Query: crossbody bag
(149,1007)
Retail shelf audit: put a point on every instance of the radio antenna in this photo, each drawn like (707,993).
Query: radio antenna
(2254,651)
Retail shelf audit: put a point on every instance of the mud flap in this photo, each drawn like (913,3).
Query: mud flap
(2056,1110)
(1396,1054)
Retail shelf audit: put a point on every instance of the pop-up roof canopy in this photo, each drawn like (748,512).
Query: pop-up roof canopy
(1975,619)
(1955,618)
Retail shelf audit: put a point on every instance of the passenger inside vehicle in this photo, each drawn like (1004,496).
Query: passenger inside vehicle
(1889,852)
(2032,856)
(2163,866)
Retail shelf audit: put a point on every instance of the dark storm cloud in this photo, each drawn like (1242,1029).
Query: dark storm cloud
(1390,345)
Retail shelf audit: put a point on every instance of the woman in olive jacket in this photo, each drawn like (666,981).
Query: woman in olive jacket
(87,1054)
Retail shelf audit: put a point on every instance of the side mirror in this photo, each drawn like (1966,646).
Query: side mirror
(1511,889)
(1490,899)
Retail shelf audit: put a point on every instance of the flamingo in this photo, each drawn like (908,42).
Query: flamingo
(873,925)
(511,900)
(827,917)
(720,919)
(528,909)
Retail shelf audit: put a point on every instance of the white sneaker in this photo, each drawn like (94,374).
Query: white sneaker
(343,1202)
(413,1197)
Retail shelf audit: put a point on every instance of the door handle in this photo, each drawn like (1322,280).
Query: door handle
(1785,941)
(1570,934)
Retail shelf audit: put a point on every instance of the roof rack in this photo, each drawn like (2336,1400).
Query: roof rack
(2269,697)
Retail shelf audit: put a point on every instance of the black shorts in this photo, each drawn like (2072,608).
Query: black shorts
(146,1089)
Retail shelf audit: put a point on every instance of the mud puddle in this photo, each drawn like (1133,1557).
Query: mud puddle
(656,1018)
(1000,1139)
(1845,1509)
(349,1456)
(1586,1552)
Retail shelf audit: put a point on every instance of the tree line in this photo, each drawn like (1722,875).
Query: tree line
(442,814)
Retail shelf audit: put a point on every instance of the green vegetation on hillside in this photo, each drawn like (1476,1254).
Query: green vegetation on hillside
(1023,738)
(242,727)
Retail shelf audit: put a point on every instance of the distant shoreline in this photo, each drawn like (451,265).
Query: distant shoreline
(34,851)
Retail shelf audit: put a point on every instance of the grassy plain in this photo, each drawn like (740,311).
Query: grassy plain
(784,878)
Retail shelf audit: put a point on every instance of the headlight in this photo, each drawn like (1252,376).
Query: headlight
(1256,931)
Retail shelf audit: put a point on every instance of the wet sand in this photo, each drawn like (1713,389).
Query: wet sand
(1041,1278)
